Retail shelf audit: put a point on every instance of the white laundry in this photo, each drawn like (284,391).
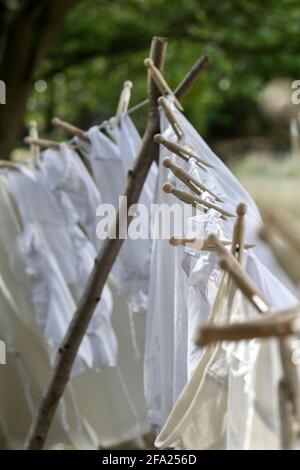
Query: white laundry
(52,300)
(66,173)
(78,198)
(197,420)
(28,368)
(39,240)
(166,330)
(253,419)
(110,163)
(99,408)
(203,272)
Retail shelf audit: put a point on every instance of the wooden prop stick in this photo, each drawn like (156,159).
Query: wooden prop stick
(124,100)
(70,128)
(34,149)
(191,182)
(282,226)
(161,82)
(42,143)
(286,256)
(103,264)
(230,264)
(238,239)
(204,245)
(171,117)
(194,200)
(181,152)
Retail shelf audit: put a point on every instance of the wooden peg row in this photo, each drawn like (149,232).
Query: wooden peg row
(194,184)
(181,152)
(194,200)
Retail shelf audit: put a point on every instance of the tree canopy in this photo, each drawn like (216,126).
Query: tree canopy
(102,43)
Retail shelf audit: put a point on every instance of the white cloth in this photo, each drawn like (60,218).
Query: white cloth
(99,408)
(46,214)
(67,174)
(208,407)
(197,419)
(203,274)
(26,374)
(78,198)
(166,330)
(110,163)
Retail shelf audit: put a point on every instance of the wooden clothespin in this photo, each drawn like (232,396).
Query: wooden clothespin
(171,117)
(34,149)
(42,143)
(238,239)
(203,245)
(192,183)
(70,128)
(181,152)
(194,200)
(279,325)
(160,81)
(229,263)
(9,165)
(124,100)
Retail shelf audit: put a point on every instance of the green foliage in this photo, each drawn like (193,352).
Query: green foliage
(104,43)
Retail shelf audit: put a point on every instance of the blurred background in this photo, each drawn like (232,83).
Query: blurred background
(70,58)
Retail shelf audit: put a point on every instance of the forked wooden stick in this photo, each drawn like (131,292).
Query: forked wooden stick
(103,264)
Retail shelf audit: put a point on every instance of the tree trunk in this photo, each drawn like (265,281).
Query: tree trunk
(29,38)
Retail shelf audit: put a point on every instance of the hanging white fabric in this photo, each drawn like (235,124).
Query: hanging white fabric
(99,408)
(78,198)
(111,162)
